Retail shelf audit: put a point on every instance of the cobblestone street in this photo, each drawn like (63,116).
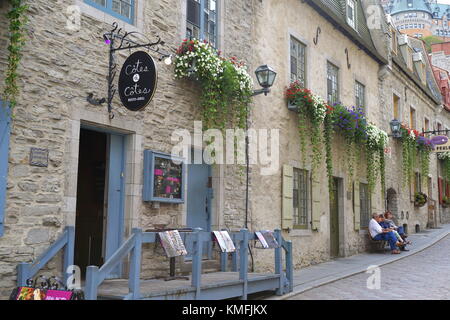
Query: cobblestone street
(425,275)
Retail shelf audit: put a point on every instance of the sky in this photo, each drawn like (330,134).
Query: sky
(444,1)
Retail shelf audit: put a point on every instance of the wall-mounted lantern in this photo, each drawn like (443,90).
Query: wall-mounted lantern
(266,77)
(395,129)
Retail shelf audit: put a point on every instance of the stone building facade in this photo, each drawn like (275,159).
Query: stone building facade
(62,63)
(311,24)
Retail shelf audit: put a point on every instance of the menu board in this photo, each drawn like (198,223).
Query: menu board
(168,178)
(224,240)
(267,239)
(163,177)
(172,243)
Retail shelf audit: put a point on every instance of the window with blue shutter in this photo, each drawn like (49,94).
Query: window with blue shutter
(5,128)
(121,9)
(201,24)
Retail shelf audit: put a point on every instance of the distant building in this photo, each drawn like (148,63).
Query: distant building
(419,18)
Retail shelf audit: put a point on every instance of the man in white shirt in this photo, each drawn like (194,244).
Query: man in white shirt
(378,233)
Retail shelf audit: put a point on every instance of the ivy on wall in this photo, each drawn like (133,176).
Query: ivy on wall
(17,22)
(226,85)
(350,123)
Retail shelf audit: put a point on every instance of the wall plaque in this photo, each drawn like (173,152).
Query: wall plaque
(39,157)
(137,81)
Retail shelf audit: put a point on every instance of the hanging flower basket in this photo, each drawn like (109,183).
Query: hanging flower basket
(420,199)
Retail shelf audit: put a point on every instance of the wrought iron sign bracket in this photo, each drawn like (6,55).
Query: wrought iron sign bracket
(120,40)
(433,132)
(316,38)
(348,60)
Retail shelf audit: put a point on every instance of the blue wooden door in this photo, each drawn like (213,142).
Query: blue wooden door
(199,196)
(5,129)
(115,200)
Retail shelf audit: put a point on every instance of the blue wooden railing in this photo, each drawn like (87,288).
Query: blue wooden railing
(195,241)
(66,241)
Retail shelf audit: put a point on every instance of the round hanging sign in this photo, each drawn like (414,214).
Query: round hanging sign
(137,81)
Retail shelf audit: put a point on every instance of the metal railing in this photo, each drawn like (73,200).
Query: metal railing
(195,240)
(66,241)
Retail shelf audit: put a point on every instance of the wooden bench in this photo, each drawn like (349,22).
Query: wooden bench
(377,245)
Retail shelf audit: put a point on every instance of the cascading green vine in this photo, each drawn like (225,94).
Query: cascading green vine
(424,156)
(310,108)
(17,22)
(382,170)
(226,85)
(416,149)
(327,137)
(445,160)
(351,123)
(302,129)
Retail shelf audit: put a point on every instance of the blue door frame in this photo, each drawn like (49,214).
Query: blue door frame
(115,186)
(199,198)
(115,200)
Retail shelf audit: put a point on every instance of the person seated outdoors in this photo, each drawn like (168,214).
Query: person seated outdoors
(379,233)
(386,225)
(400,230)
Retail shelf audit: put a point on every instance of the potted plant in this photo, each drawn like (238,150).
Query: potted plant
(420,199)
(445,202)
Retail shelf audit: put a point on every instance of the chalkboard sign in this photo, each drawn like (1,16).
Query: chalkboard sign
(163,177)
(137,81)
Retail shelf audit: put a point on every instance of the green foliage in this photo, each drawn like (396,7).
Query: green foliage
(226,85)
(17,21)
(431,40)
(328,131)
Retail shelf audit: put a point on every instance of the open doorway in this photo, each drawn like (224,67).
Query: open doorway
(99,224)
(335,217)
(90,213)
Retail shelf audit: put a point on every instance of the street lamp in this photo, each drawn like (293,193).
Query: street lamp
(266,77)
(395,128)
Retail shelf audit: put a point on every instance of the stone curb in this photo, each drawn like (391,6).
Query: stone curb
(358,270)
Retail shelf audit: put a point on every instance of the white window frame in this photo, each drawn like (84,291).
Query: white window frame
(353,5)
(305,57)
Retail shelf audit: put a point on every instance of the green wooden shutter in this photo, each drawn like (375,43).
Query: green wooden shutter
(356,206)
(287,219)
(316,205)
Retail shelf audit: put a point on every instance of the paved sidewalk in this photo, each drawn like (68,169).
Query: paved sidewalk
(323,273)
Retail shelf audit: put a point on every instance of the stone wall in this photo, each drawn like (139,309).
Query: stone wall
(301,21)
(60,67)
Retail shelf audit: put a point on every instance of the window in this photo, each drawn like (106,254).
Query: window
(417,187)
(396,107)
(360,95)
(351,13)
(412,118)
(202,20)
(298,62)
(426,125)
(122,9)
(332,83)
(300,198)
(394,43)
(364,202)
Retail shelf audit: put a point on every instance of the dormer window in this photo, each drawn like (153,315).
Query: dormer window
(351,13)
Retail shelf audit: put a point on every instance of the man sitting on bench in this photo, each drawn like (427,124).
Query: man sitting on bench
(378,233)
